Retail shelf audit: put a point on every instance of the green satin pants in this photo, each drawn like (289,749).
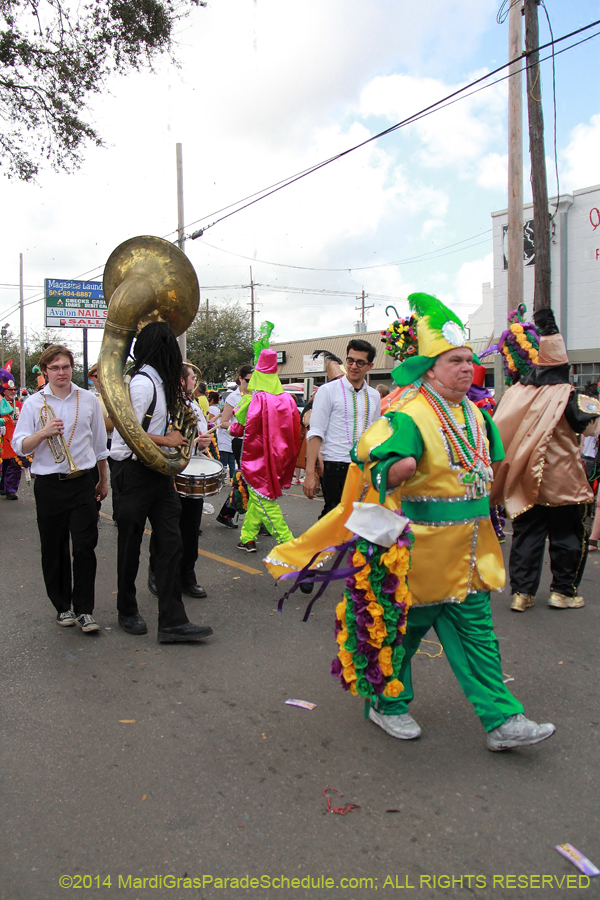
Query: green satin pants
(465,631)
(267,513)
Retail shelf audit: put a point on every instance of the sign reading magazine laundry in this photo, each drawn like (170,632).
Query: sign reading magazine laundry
(74,304)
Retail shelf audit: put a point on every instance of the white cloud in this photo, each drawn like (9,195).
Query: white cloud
(469,279)
(581,159)
(457,136)
(493,171)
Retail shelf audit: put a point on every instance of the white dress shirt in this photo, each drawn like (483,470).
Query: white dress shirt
(223,436)
(333,418)
(141,392)
(86,442)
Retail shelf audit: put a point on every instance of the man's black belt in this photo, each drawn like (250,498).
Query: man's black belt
(63,476)
(330,466)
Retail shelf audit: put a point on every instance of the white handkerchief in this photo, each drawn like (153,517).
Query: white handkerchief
(376,523)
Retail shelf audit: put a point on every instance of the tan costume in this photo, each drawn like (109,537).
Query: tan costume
(541,481)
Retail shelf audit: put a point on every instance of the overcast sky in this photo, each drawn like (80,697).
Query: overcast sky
(267,88)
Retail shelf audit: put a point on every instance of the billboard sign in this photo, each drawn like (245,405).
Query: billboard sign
(313,365)
(74,304)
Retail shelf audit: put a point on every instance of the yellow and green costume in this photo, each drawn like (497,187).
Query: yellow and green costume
(456,559)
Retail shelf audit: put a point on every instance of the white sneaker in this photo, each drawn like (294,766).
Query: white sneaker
(518,731)
(87,623)
(65,619)
(402,727)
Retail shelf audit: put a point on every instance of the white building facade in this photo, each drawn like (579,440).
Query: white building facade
(575,266)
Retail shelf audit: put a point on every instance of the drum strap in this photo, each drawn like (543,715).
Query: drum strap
(150,411)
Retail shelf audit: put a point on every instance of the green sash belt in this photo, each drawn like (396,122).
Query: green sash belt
(441,510)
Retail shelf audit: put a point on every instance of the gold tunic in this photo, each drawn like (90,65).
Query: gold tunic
(456,551)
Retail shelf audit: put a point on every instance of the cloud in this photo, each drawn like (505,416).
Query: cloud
(470,277)
(457,136)
(580,159)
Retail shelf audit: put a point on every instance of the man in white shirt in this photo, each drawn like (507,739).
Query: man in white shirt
(65,491)
(342,410)
(143,493)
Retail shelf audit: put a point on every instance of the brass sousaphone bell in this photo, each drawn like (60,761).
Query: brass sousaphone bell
(146,279)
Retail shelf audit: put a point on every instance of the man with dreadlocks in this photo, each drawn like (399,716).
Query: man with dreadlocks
(432,453)
(140,492)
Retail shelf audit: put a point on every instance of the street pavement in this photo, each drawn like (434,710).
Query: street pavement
(123,759)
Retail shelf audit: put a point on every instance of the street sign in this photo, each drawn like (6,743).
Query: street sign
(74,304)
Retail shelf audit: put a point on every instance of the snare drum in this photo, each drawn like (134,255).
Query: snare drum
(200,478)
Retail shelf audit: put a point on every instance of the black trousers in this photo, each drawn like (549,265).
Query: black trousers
(564,528)
(144,494)
(189,526)
(66,510)
(332,484)
(236,447)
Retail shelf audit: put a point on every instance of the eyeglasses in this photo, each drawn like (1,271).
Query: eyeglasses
(359,363)
(246,379)
(59,368)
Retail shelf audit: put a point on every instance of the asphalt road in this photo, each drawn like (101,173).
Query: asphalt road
(122,757)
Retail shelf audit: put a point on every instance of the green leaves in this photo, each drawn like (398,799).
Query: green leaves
(218,341)
(53,55)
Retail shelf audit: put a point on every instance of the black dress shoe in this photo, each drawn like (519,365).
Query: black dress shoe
(228,523)
(194,590)
(183,633)
(307,587)
(152,583)
(133,624)
(264,530)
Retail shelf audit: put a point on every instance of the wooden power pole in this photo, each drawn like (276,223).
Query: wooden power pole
(539,185)
(180,227)
(515,158)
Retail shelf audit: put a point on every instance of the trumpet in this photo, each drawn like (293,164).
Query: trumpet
(58,446)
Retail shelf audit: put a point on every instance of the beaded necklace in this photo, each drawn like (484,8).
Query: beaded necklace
(355,436)
(471,450)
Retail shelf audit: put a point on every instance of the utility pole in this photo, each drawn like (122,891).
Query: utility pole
(251,306)
(180,224)
(362,307)
(515,157)
(4,333)
(207,312)
(85,360)
(539,185)
(22,322)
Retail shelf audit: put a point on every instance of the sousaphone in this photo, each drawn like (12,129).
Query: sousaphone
(146,279)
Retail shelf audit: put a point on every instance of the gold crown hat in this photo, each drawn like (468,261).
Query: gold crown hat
(438,331)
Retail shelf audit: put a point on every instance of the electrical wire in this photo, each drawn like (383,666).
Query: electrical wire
(428,110)
(407,260)
(434,107)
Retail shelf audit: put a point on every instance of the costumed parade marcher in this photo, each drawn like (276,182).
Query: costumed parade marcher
(271,443)
(10,408)
(430,456)
(143,493)
(542,482)
(61,425)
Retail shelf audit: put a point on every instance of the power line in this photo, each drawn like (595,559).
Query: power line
(449,100)
(428,110)
(406,261)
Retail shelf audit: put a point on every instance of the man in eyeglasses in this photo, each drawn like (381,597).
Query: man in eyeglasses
(62,427)
(342,410)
